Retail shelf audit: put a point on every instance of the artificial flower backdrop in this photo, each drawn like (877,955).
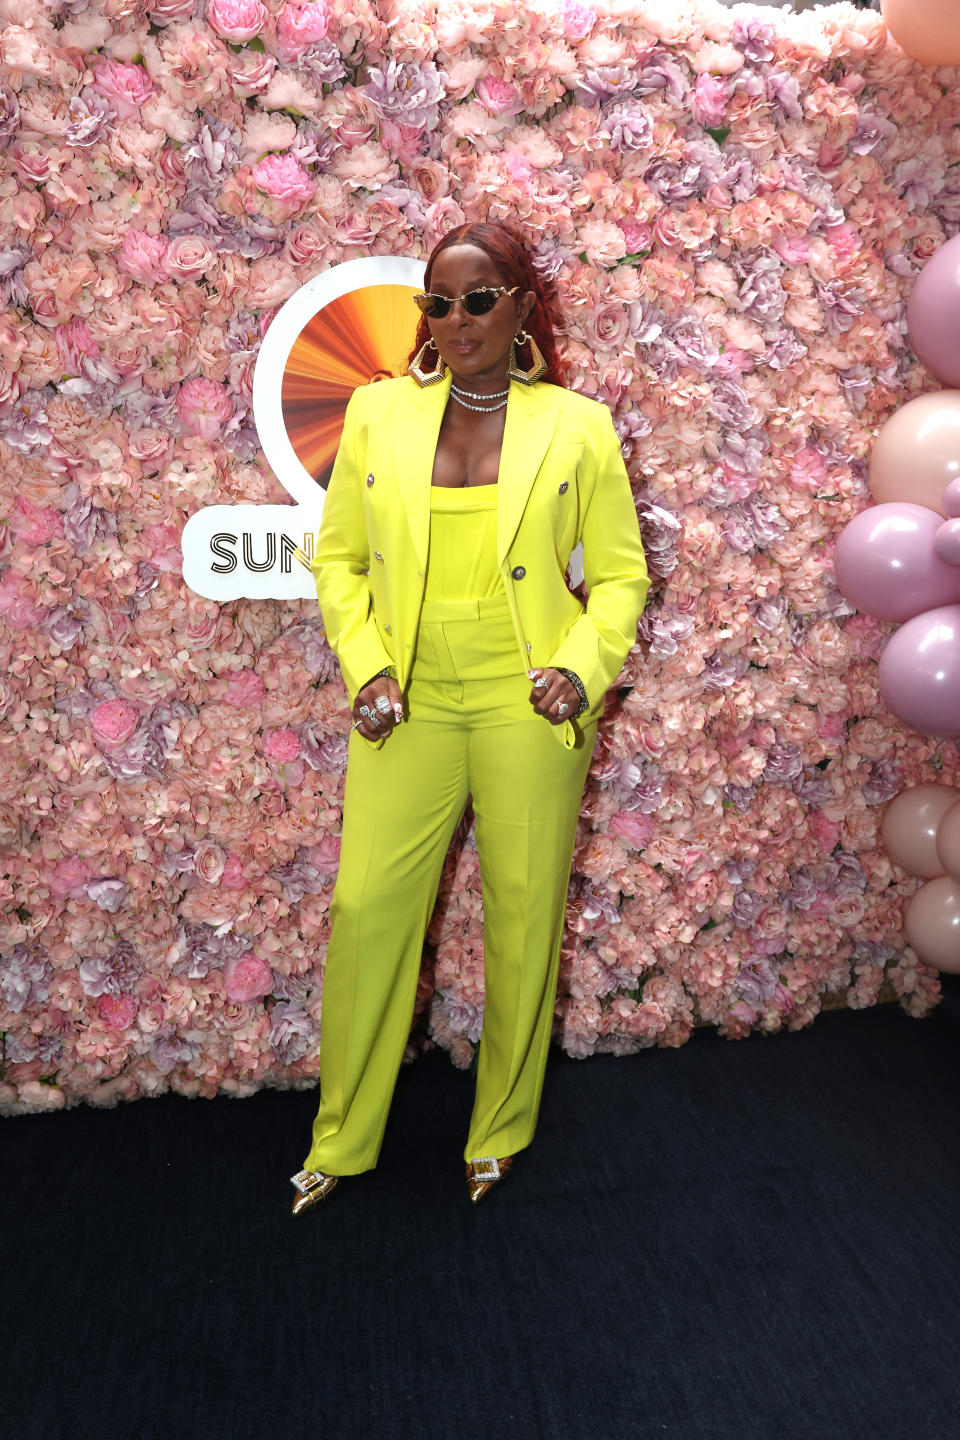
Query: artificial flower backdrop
(735,203)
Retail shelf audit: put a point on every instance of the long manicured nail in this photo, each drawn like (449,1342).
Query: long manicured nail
(398,713)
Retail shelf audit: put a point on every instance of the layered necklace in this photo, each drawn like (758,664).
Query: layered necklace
(464,397)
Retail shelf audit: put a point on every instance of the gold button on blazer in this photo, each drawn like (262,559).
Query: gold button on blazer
(562,481)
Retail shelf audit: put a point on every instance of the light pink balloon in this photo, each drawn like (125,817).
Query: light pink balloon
(919,672)
(951,499)
(928,30)
(933,310)
(917,453)
(932,924)
(948,842)
(946,542)
(886,566)
(909,827)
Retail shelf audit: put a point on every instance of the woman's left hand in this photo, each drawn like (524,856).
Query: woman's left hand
(548,699)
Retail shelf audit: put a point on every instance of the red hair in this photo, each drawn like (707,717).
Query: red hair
(507,251)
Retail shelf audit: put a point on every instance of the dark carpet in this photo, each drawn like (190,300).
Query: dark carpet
(731,1240)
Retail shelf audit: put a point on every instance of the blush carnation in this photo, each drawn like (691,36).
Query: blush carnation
(126,87)
(114,721)
(236,20)
(282,746)
(283,178)
(203,407)
(247,977)
(301,26)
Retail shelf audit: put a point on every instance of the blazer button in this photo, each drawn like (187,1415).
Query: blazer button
(378,556)
(518,572)
(562,491)
(370,479)
(387,630)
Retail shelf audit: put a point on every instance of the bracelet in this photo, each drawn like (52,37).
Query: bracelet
(379,676)
(578,685)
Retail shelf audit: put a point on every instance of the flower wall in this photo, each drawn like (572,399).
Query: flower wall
(735,203)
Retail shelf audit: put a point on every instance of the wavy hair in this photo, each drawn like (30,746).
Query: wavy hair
(508,253)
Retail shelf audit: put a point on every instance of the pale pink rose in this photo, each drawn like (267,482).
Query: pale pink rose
(188,257)
(114,721)
(125,86)
(247,977)
(283,178)
(281,746)
(208,862)
(117,1011)
(204,407)
(498,96)
(299,27)
(143,256)
(69,877)
(236,20)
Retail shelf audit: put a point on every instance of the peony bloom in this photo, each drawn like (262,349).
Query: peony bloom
(299,27)
(203,407)
(236,20)
(282,746)
(143,256)
(247,977)
(114,721)
(126,87)
(283,178)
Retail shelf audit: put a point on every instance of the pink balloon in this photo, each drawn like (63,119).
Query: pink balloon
(946,542)
(920,672)
(933,311)
(909,827)
(916,455)
(948,842)
(928,30)
(886,566)
(951,499)
(932,923)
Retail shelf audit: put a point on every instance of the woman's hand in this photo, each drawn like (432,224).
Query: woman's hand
(548,698)
(376,723)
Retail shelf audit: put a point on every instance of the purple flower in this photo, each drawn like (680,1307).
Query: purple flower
(324,63)
(97,977)
(784,350)
(873,131)
(83,522)
(214,153)
(665,629)
(405,91)
(604,82)
(839,306)
(309,637)
(756,981)
(9,112)
(768,613)
(64,625)
(107,893)
(22,1047)
(628,126)
(918,180)
(26,978)
(169,1051)
(783,764)
(297,879)
(673,181)
(662,75)
(746,907)
(292,1031)
(720,670)
(91,119)
(739,796)
(783,92)
(754,38)
(333,754)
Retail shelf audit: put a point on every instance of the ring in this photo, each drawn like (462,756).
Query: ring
(562,707)
(374,718)
(356,725)
(540,684)
(364,710)
(383,705)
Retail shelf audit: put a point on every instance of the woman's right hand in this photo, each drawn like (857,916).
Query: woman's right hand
(375,724)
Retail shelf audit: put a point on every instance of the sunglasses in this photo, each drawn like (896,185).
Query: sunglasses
(475,302)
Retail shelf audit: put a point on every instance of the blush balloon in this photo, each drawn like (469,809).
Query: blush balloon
(933,312)
(920,672)
(951,499)
(932,924)
(928,30)
(948,841)
(946,542)
(886,565)
(909,827)
(917,452)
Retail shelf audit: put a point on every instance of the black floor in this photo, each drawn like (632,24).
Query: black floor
(733,1240)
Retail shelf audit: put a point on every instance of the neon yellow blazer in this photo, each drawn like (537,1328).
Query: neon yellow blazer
(562,480)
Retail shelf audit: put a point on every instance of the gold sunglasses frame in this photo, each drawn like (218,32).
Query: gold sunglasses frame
(452,299)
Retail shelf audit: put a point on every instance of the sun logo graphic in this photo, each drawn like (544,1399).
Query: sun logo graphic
(352,324)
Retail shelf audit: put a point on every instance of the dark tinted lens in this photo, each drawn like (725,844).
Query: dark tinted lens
(478,302)
(435,306)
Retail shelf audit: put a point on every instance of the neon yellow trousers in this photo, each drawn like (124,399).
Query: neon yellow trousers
(469,728)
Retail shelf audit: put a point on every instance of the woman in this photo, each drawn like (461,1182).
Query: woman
(457,495)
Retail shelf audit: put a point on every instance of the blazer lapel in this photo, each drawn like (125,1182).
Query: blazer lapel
(527,432)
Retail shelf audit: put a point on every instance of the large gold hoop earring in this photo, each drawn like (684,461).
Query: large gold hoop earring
(539,366)
(426,377)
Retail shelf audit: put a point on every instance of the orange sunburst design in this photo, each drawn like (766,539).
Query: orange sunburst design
(365,335)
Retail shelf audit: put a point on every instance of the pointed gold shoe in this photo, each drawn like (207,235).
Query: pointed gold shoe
(484,1173)
(312,1186)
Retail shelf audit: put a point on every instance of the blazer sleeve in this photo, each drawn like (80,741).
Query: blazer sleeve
(614,568)
(342,561)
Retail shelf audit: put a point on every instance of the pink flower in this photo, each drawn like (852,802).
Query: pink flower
(282,746)
(633,826)
(69,877)
(283,178)
(208,862)
(19,606)
(125,86)
(189,256)
(114,721)
(299,27)
(709,103)
(117,1011)
(499,96)
(247,977)
(236,20)
(35,526)
(233,877)
(245,690)
(578,20)
(204,407)
(142,256)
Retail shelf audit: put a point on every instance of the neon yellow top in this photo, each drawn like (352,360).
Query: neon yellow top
(462,563)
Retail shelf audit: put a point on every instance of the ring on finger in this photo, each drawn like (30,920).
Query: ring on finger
(383,705)
(540,684)
(562,707)
(364,710)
